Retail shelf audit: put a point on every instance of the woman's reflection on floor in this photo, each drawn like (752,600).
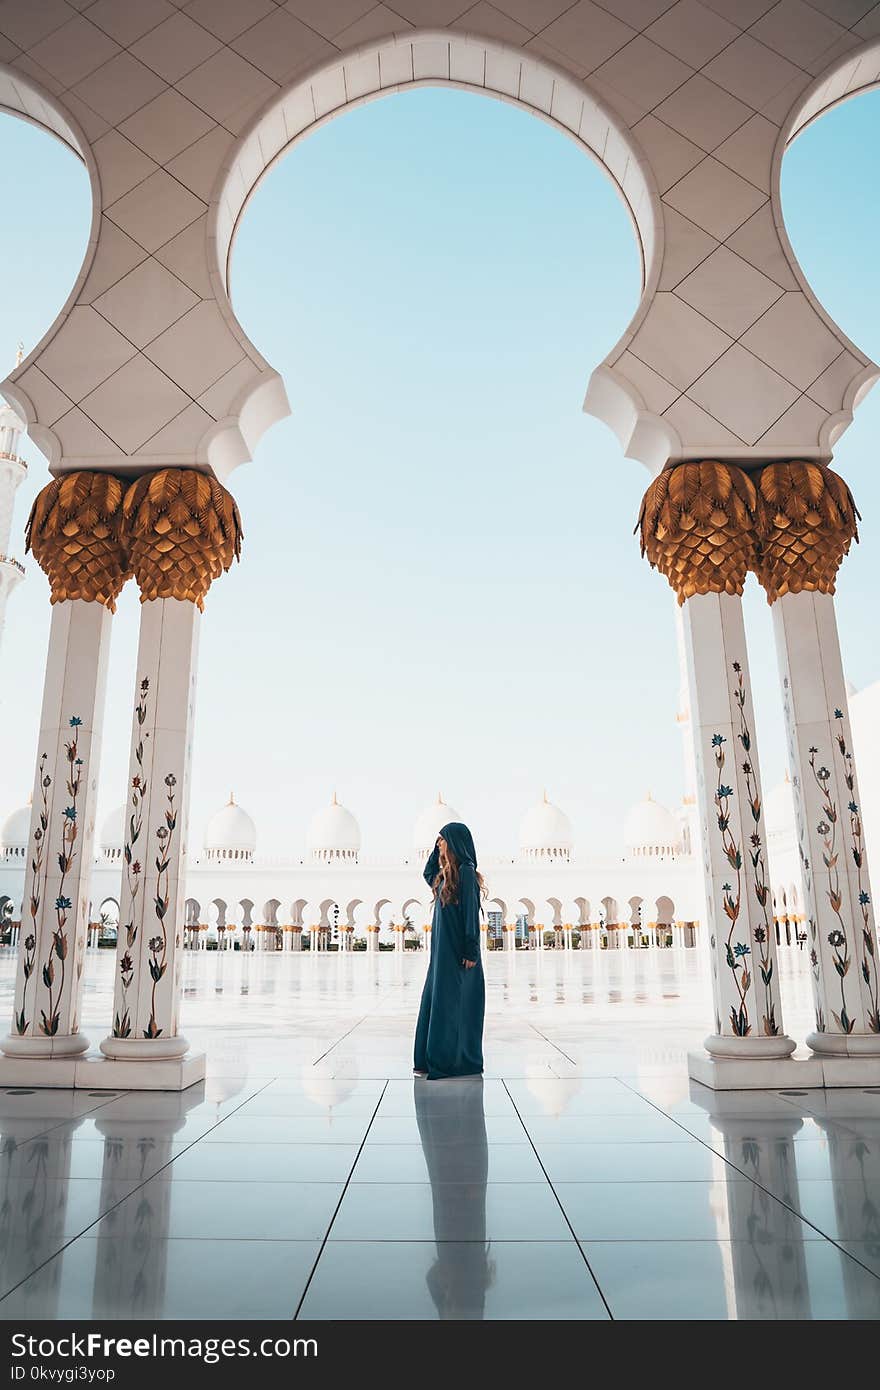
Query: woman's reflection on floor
(452,1129)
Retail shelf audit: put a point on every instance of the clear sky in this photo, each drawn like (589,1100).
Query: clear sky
(440,588)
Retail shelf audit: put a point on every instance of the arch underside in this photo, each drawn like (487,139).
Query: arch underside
(684,380)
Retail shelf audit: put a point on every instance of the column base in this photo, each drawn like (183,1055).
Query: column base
(145,1049)
(745,1073)
(68,1045)
(844,1045)
(97,1073)
(753,1048)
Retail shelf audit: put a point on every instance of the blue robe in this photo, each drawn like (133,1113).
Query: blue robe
(449,1032)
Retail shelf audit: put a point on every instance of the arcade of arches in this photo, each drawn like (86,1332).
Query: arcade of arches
(731,385)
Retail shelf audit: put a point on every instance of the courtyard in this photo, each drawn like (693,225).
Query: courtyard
(310,1177)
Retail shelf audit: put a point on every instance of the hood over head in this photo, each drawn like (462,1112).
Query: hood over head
(461,842)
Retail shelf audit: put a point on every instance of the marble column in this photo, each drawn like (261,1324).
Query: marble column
(810,522)
(742,940)
(844,956)
(145,1006)
(74,532)
(55,910)
(182,530)
(700,526)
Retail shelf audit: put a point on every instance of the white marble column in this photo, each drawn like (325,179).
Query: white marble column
(148,957)
(48,988)
(745,982)
(842,935)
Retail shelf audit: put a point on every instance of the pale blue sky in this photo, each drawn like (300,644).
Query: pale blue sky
(440,588)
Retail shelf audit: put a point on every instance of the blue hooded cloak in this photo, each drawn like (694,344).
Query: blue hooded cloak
(449,1032)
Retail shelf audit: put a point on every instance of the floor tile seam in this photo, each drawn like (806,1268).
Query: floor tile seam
(317,1260)
(135,1188)
(369,1014)
(551,1043)
(799,1215)
(565,1218)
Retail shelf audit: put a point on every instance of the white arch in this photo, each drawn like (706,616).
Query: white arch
(21,95)
(402,62)
(857,72)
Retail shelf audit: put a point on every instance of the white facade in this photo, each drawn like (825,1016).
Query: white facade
(332,888)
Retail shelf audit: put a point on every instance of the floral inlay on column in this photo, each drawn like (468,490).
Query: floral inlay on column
(159,944)
(133,868)
(29,959)
(66,855)
(736,951)
(53,975)
(837,939)
(857,849)
(761,933)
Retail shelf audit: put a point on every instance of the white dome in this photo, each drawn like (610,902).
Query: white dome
(650,828)
(230,833)
(16,829)
(779,810)
(429,824)
(334,833)
(113,830)
(545,832)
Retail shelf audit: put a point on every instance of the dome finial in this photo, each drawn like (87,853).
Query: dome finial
(440,801)
(19,354)
(231,801)
(334,802)
(546,801)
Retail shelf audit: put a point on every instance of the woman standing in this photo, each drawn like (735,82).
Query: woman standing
(449,1032)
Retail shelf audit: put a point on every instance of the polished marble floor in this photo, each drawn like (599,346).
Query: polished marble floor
(310,1176)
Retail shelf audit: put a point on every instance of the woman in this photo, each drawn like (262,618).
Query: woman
(449,1033)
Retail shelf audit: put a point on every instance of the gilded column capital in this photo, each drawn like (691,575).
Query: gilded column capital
(807,520)
(75,533)
(182,529)
(698,526)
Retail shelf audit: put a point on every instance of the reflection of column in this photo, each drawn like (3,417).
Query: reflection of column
(34,1195)
(74,531)
(854,1170)
(182,531)
(810,525)
(698,525)
(452,1130)
(768,1262)
(131,1249)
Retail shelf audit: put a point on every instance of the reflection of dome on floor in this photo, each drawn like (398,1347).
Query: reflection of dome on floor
(334,834)
(545,833)
(230,833)
(429,824)
(651,829)
(554,1096)
(327,1091)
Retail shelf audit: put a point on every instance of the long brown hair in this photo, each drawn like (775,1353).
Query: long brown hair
(447,883)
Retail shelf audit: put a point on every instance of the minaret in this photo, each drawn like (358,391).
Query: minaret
(12,470)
